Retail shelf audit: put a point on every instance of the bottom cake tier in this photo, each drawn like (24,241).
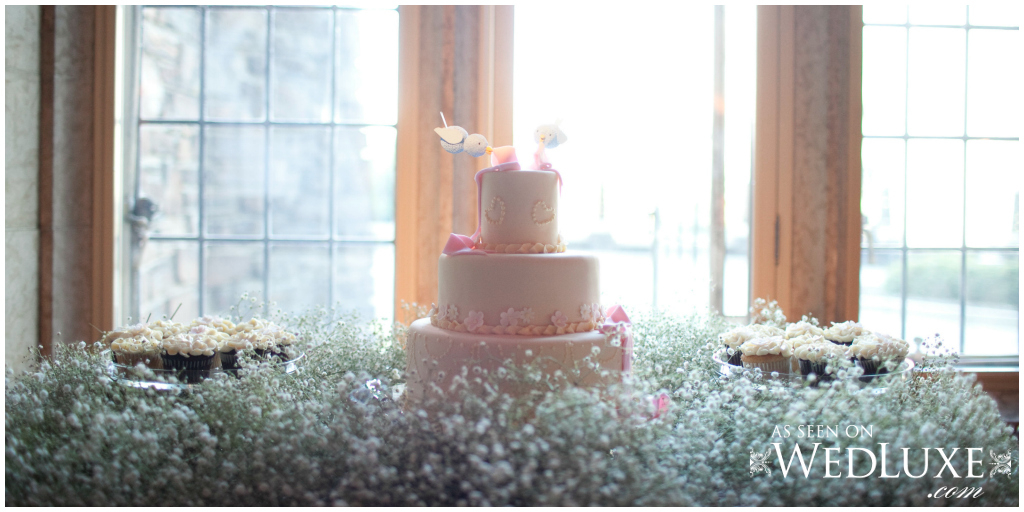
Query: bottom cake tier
(436,356)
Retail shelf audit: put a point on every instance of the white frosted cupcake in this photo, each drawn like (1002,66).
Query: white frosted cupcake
(805,339)
(843,333)
(192,351)
(134,344)
(732,340)
(873,350)
(819,357)
(766,331)
(278,343)
(215,322)
(253,324)
(168,328)
(802,328)
(770,354)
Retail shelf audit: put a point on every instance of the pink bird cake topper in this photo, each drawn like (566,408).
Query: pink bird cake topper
(455,140)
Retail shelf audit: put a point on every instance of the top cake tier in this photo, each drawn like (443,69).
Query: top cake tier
(520,212)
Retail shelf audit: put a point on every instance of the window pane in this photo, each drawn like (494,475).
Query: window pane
(885,80)
(364,183)
(169,276)
(936,91)
(299,276)
(881,199)
(300,180)
(993,303)
(881,282)
(236,64)
(300,79)
(170,63)
(232,268)
(933,296)
(995,15)
(935,200)
(366,78)
(168,175)
(993,193)
(364,279)
(934,13)
(993,83)
(885,13)
(233,176)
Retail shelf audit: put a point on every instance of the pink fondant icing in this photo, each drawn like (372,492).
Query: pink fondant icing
(454,350)
(543,282)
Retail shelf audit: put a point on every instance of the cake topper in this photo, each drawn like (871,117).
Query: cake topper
(546,136)
(455,140)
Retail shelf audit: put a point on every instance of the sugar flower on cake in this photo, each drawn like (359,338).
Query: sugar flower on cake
(510,318)
(596,309)
(452,313)
(559,319)
(586,312)
(527,315)
(474,321)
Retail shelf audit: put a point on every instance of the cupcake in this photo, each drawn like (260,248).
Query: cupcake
(192,352)
(766,331)
(770,354)
(236,344)
(134,344)
(805,339)
(802,328)
(873,351)
(818,357)
(215,322)
(732,340)
(253,324)
(168,328)
(844,333)
(276,344)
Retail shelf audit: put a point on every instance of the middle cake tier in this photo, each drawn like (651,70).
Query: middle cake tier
(524,294)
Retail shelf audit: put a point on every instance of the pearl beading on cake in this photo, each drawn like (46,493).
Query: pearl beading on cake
(527,248)
(525,330)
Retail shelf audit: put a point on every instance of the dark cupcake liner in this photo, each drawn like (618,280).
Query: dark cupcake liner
(871,368)
(276,352)
(734,359)
(229,360)
(817,368)
(194,368)
(842,343)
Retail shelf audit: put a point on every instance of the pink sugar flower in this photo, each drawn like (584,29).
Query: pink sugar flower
(558,319)
(510,318)
(474,320)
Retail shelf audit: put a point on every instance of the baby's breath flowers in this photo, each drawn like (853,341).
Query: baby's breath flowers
(337,432)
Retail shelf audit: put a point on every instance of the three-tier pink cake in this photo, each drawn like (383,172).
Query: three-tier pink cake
(511,292)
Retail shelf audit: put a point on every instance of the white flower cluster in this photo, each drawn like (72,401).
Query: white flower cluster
(337,433)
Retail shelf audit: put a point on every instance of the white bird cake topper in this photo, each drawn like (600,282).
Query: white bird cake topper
(546,136)
(455,140)
(549,134)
